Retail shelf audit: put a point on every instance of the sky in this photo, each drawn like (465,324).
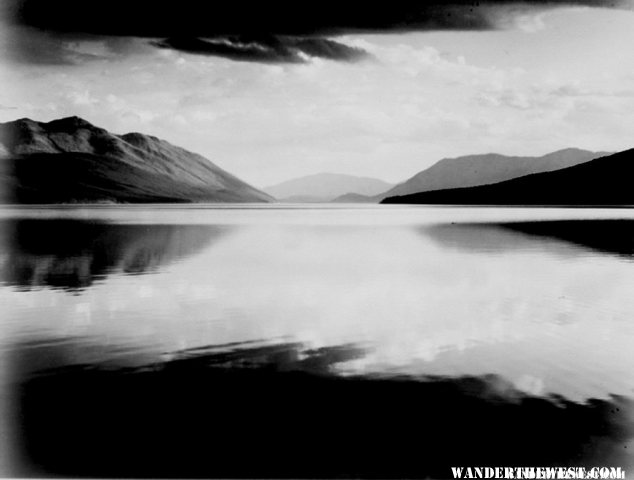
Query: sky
(374,101)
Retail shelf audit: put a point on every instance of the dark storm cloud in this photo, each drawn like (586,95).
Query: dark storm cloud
(268,50)
(282,31)
(51,48)
(35,47)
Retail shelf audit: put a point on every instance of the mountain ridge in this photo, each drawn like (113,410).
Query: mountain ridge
(604,181)
(70,160)
(482,169)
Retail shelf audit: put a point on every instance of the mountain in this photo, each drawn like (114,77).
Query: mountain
(72,161)
(474,170)
(324,187)
(605,181)
(356,198)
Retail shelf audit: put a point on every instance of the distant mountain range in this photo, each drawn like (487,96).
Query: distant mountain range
(325,187)
(605,181)
(72,161)
(474,170)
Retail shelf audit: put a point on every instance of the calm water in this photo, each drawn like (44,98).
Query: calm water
(528,303)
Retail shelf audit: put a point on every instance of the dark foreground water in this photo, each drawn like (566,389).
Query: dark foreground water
(314,342)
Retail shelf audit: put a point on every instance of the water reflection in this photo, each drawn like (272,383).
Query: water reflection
(605,236)
(389,349)
(608,236)
(73,254)
(282,410)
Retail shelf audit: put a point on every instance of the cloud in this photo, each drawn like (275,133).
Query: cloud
(36,47)
(278,32)
(24,44)
(271,49)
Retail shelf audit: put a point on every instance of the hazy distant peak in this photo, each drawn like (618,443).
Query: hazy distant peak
(496,155)
(338,175)
(327,176)
(566,150)
(575,151)
(478,156)
(326,186)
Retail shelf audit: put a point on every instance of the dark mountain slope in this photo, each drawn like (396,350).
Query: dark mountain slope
(605,181)
(70,160)
(475,170)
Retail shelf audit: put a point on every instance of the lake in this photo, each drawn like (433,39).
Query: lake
(319,340)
